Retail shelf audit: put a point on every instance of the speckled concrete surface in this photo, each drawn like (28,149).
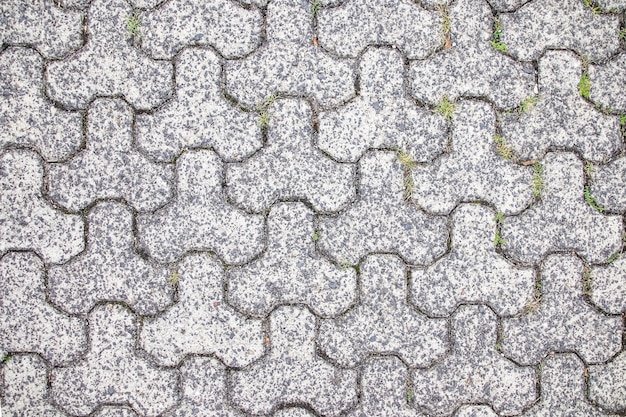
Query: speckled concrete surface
(312,208)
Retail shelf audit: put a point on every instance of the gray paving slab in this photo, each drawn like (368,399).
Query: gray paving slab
(607,386)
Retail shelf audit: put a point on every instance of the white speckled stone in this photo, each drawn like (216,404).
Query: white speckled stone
(199,217)
(608,83)
(473,170)
(291,271)
(198,115)
(607,385)
(293,412)
(559,24)
(29,323)
(348,29)
(472,272)
(289,63)
(201,322)
(53,31)
(383,322)
(475,411)
(26,118)
(27,220)
(562,321)
(116,412)
(563,389)
(474,372)
(25,388)
(109,269)
(109,167)
(381,116)
(608,286)
(292,372)
(607,185)
(111,373)
(561,118)
(109,65)
(233,30)
(612,6)
(381,221)
(290,167)
(471,67)
(562,220)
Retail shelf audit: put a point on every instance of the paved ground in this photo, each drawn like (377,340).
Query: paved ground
(333,208)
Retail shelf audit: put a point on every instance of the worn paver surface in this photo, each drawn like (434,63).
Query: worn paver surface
(309,208)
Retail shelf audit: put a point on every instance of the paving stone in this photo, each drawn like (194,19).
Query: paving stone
(563,389)
(27,220)
(290,167)
(381,221)
(53,31)
(383,322)
(348,29)
(608,286)
(293,412)
(381,116)
(384,389)
(25,388)
(292,372)
(26,118)
(475,411)
(473,170)
(109,65)
(29,323)
(562,320)
(607,185)
(612,6)
(233,30)
(559,24)
(110,269)
(203,390)
(608,83)
(198,115)
(607,385)
(116,412)
(561,220)
(471,67)
(288,62)
(109,167)
(472,272)
(474,372)
(561,118)
(199,218)
(111,373)
(291,271)
(201,322)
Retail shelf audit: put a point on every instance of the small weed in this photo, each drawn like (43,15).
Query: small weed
(622,120)
(613,258)
(405,160)
(622,34)
(409,395)
(262,108)
(498,240)
(264,119)
(589,169)
(591,200)
(446,108)
(537,179)
(132,25)
(498,46)
(174,278)
(538,286)
(497,43)
(528,104)
(594,9)
(587,281)
(6,358)
(532,305)
(499,218)
(498,346)
(315,236)
(503,150)
(446,26)
(584,86)
(315,7)
(409,187)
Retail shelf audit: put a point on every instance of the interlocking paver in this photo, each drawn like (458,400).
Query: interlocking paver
(474,372)
(559,24)
(53,31)
(199,115)
(473,170)
(381,221)
(27,220)
(288,62)
(562,220)
(201,322)
(26,118)
(109,65)
(116,412)
(348,29)
(475,411)
(608,286)
(471,67)
(109,168)
(111,372)
(607,385)
(199,218)
(561,118)
(608,83)
(381,116)
(290,167)
(110,269)
(292,372)
(562,320)
(293,412)
(291,271)
(229,27)
(608,185)
(472,271)
(383,322)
